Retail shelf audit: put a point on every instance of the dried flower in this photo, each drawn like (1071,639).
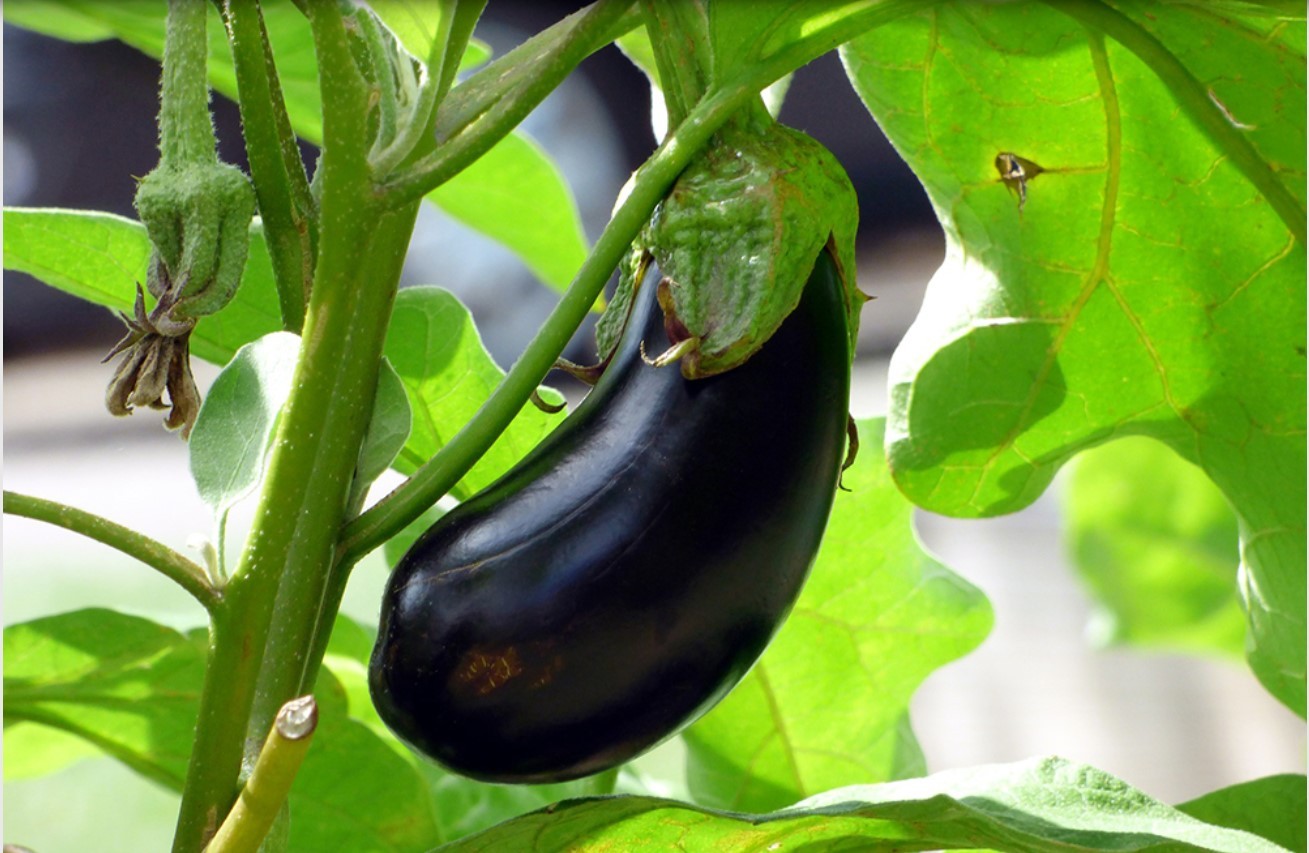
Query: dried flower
(156,362)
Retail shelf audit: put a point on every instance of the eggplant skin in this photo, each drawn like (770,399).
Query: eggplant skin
(621,579)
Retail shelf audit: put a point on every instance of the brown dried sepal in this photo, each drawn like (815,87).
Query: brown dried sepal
(156,363)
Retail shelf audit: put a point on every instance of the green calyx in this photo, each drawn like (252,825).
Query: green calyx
(736,240)
(198,218)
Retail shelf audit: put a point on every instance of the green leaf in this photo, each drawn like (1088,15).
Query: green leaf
(1156,544)
(100,257)
(415,24)
(1048,804)
(1152,284)
(354,791)
(515,195)
(434,347)
(388,429)
(1272,807)
(744,36)
(33,749)
(59,19)
(122,683)
(229,444)
(876,617)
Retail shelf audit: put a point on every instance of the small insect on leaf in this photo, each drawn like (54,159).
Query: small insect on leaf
(1015,172)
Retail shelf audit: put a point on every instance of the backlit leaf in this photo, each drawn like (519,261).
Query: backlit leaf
(1156,544)
(434,347)
(1152,283)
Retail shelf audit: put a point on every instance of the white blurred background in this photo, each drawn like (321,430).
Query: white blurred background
(1173,725)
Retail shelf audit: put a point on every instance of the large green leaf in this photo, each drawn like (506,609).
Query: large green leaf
(1041,805)
(122,683)
(448,373)
(514,194)
(1152,284)
(101,257)
(1156,544)
(827,705)
(1272,807)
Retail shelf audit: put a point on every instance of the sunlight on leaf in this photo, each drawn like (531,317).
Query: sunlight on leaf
(1147,286)
(1156,545)
(434,347)
(101,257)
(1272,807)
(1048,804)
(123,684)
(876,617)
(516,195)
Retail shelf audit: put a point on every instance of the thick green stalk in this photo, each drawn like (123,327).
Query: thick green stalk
(285,203)
(306,602)
(186,133)
(314,450)
(156,555)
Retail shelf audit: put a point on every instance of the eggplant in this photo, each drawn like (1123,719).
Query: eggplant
(626,574)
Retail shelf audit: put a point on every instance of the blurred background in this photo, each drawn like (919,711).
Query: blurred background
(79,122)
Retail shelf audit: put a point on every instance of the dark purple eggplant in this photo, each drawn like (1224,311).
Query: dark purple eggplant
(621,579)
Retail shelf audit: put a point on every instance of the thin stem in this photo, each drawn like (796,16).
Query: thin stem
(679,35)
(476,138)
(1193,97)
(381,54)
(172,565)
(505,75)
(463,21)
(455,29)
(266,790)
(443,471)
(186,132)
(285,202)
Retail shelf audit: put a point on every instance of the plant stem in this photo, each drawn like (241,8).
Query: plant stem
(679,35)
(285,203)
(265,791)
(172,565)
(315,448)
(186,132)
